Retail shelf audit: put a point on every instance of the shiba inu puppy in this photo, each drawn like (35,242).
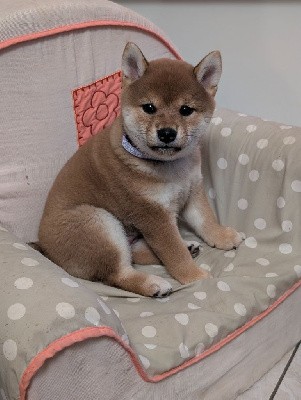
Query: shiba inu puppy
(117,200)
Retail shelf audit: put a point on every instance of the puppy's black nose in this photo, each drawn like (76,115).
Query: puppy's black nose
(167,135)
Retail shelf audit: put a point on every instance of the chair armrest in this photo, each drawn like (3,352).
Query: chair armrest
(42,311)
(251,170)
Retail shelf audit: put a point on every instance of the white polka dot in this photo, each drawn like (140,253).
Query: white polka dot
(262,143)
(69,282)
(242,204)
(271,275)
(20,246)
(251,128)
(103,305)
(251,242)
(271,291)
(289,140)
(297,269)
(263,261)
(149,331)
(216,120)
(184,352)
(240,309)
(23,283)
(200,295)
(92,315)
(243,159)
(226,132)
(229,254)
(16,311)
(229,268)
(193,306)
(211,329)
(65,310)
(133,299)
(10,349)
(260,223)
(287,226)
(278,165)
(285,248)
(285,127)
(222,163)
(29,262)
(280,202)
(199,349)
(183,319)
(296,186)
(145,361)
(146,314)
(223,286)
(212,193)
(254,175)
(205,267)
(150,346)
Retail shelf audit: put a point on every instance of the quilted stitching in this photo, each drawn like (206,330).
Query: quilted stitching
(96,106)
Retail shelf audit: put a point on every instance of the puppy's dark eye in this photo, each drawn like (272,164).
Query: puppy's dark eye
(149,108)
(186,111)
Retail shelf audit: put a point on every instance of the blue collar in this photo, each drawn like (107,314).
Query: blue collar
(130,148)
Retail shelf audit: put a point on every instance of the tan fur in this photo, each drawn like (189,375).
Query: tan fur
(104,195)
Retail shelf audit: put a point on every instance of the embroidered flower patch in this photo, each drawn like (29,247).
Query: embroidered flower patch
(96,106)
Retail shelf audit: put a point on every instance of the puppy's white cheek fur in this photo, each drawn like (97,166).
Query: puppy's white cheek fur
(130,120)
(135,129)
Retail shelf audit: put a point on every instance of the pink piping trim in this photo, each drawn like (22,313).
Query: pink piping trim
(82,25)
(96,332)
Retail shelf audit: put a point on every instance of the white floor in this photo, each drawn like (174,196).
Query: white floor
(290,387)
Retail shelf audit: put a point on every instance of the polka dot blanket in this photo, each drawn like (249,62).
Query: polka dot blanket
(252,175)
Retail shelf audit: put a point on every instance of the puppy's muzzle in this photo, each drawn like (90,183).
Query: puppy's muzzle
(166,135)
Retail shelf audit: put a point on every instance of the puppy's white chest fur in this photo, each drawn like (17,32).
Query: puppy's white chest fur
(173,195)
(168,195)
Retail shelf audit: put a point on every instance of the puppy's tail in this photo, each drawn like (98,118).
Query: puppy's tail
(36,246)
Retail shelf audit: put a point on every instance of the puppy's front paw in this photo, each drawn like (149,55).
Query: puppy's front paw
(193,274)
(158,287)
(224,238)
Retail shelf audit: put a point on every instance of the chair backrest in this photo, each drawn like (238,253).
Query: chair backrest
(59,83)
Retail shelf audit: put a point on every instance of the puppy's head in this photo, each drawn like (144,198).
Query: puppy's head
(167,104)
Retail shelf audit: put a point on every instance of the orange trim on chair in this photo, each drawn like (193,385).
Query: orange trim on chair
(82,25)
(97,332)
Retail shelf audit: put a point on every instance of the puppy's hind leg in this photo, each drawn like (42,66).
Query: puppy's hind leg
(115,258)
(124,275)
(90,243)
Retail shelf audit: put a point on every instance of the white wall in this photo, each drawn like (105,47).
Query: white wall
(260,43)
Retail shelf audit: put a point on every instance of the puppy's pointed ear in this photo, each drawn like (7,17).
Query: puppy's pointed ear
(134,63)
(208,71)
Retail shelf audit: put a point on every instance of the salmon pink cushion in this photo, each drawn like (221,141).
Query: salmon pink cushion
(96,105)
